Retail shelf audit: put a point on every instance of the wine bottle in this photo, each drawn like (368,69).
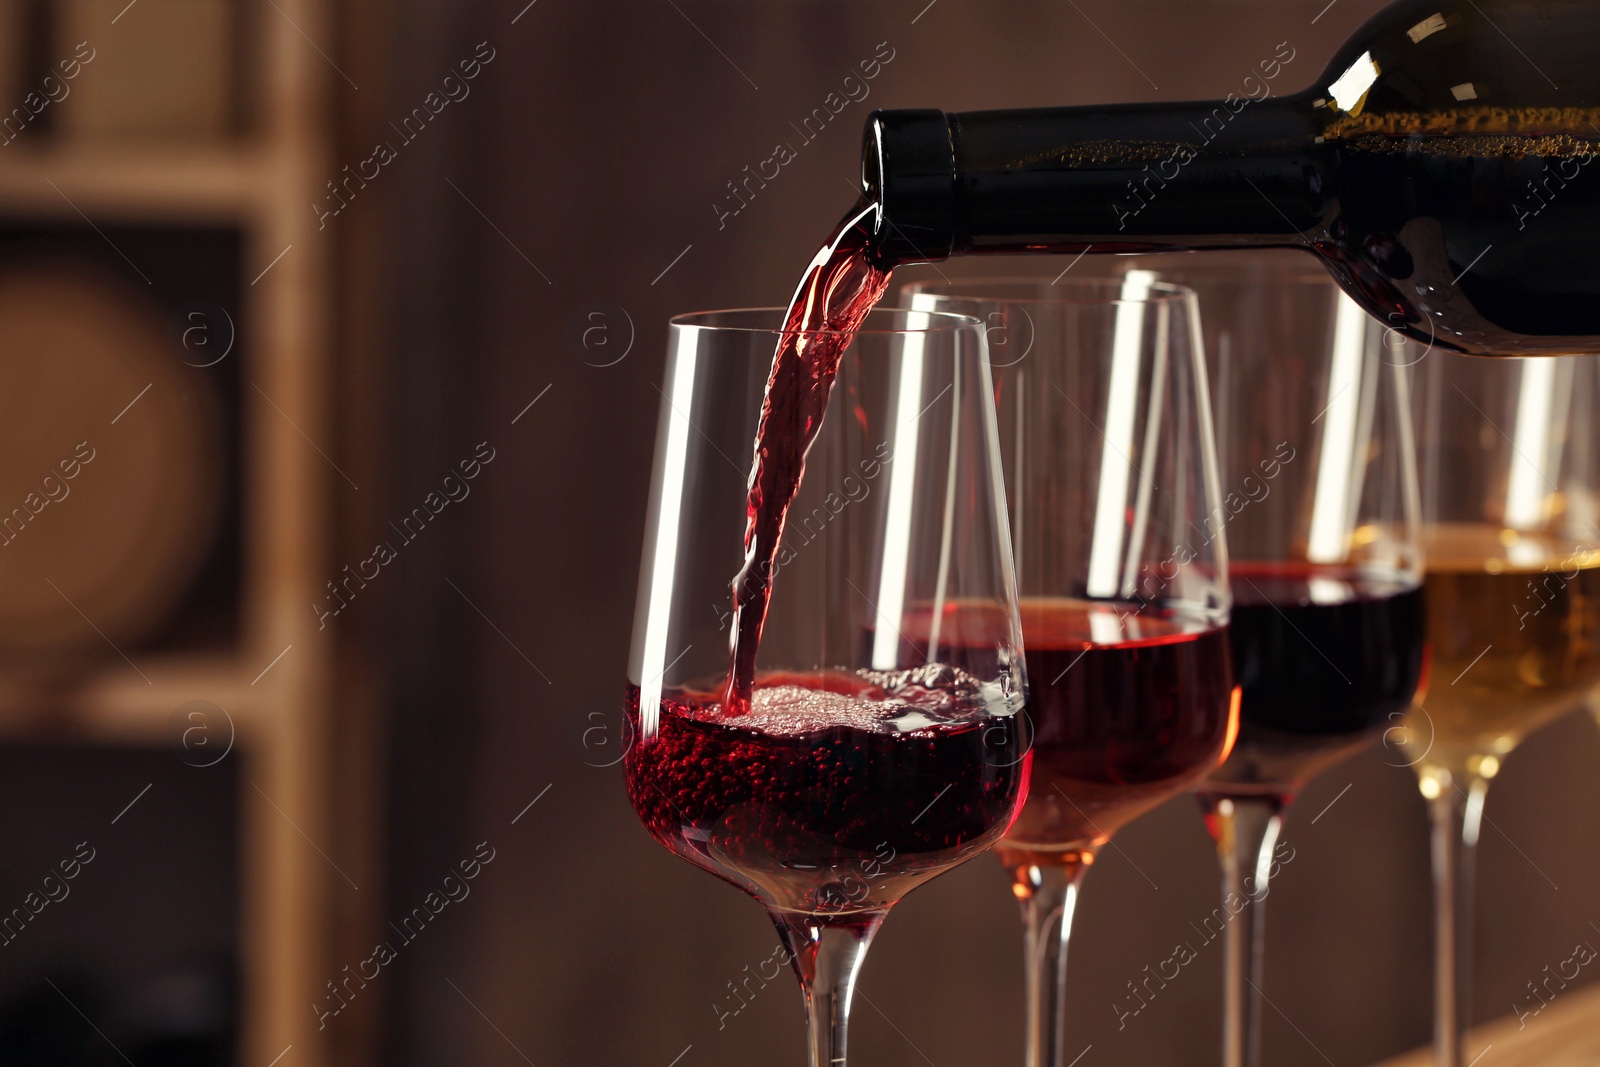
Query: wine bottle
(1442,168)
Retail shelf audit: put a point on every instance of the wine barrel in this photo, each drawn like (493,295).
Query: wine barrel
(110,466)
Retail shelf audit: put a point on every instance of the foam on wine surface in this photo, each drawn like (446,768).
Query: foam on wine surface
(886,702)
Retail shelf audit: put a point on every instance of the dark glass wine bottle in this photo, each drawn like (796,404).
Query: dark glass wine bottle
(1442,168)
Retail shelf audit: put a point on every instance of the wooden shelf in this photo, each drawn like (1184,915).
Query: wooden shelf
(120,705)
(136,184)
(291,902)
(1565,1033)
(116,704)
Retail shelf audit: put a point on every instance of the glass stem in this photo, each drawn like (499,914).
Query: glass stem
(1456,816)
(1048,894)
(1246,832)
(826,954)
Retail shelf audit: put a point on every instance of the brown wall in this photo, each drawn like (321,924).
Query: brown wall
(594,146)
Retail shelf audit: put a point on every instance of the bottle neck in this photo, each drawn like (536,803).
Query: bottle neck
(1124,178)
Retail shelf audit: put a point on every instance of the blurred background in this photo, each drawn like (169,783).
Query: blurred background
(330,343)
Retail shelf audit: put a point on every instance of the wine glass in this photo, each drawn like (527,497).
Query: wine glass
(880,745)
(1116,519)
(1510,453)
(1321,505)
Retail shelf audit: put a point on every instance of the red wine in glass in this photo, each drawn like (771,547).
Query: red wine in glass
(826,792)
(834,791)
(1328,658)
(1127,710)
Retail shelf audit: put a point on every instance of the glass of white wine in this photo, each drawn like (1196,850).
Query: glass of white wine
(1509,451)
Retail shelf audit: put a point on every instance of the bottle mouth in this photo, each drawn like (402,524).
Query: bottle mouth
(908,173)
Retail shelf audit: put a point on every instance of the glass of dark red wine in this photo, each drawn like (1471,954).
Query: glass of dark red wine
(1320,502)
(880,741)
(1113,493)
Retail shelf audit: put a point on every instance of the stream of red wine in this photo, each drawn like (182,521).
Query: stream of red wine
(837,290)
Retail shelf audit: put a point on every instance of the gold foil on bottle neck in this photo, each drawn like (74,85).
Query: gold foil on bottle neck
(1475,131)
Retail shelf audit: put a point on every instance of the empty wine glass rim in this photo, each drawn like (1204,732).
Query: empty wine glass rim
(1007,289)
(770,320)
